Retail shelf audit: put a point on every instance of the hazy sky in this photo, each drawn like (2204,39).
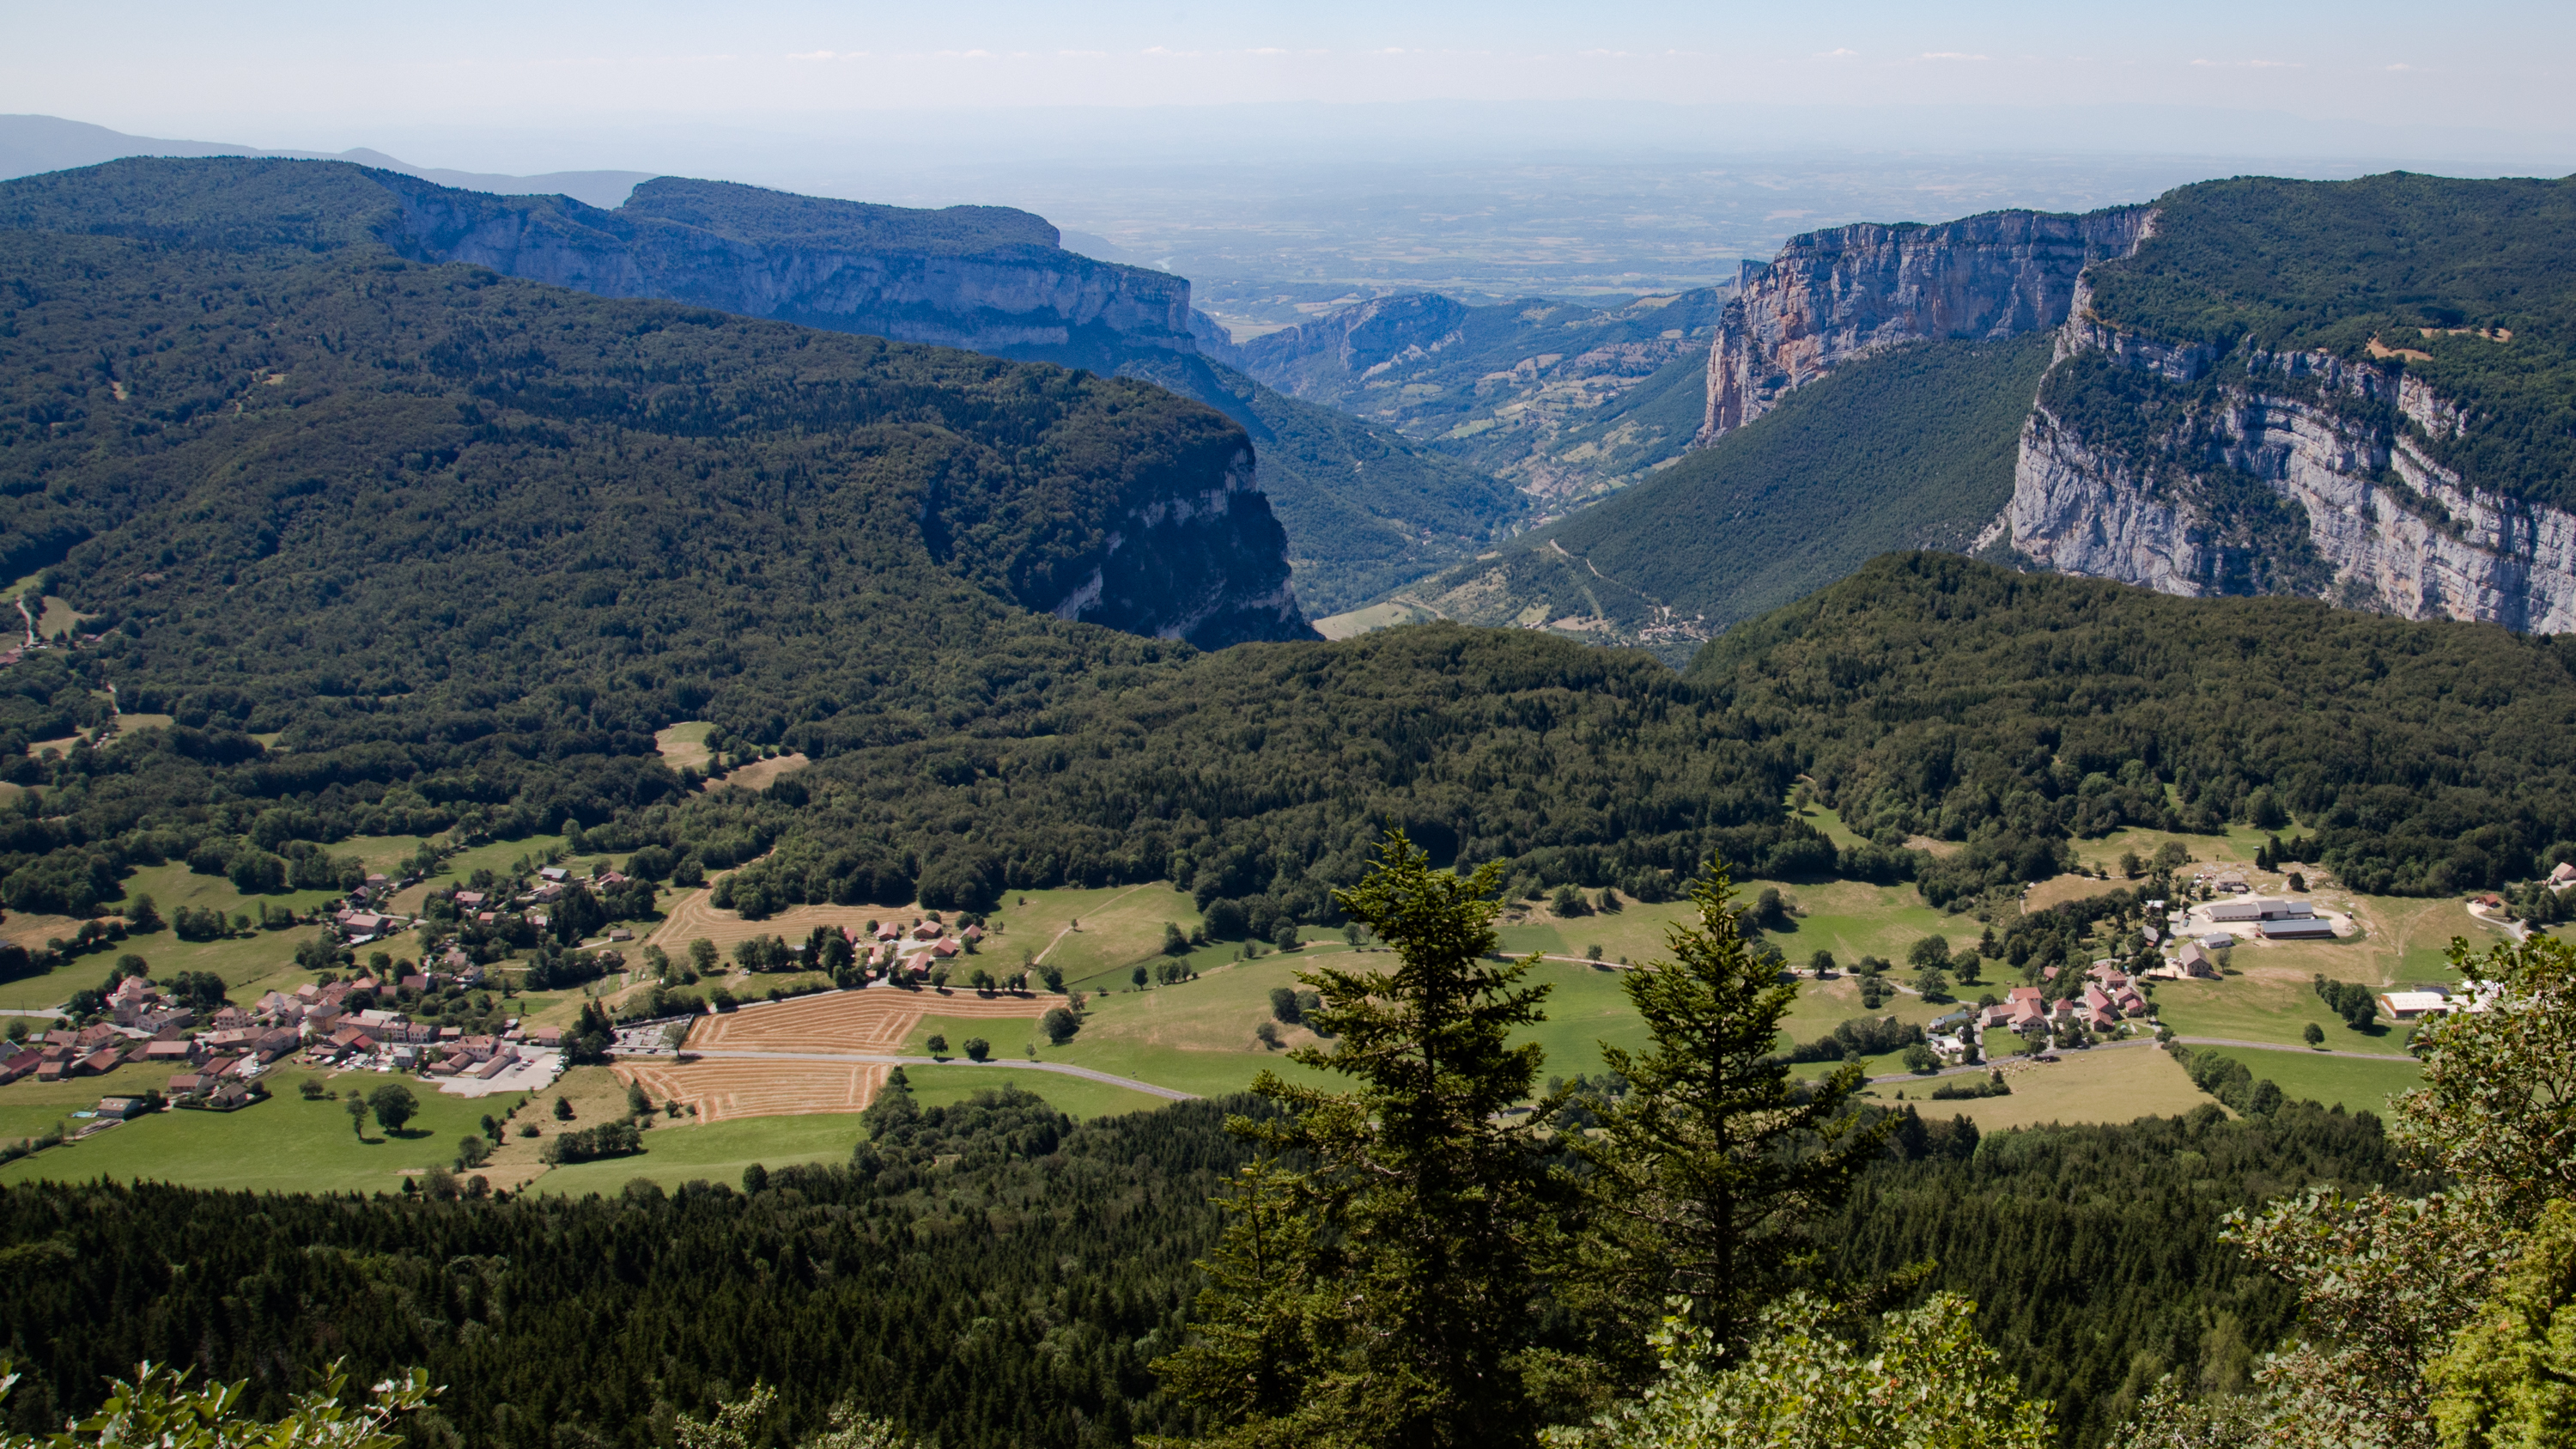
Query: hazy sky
(332,75)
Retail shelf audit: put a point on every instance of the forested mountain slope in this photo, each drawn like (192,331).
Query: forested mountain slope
(371,465)
(467,541)
(1912,448)
(1365,509)
(1932,695)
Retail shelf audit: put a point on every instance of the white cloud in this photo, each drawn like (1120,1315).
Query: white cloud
(2401,65)
(812,55)
(1265,50)
(1953,55)
(1843,52)
(2252,64)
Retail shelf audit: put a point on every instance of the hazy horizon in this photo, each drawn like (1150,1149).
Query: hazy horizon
(1503,150)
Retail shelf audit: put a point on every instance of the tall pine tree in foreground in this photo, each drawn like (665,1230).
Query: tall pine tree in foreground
(1388,1289)
(1710,1171)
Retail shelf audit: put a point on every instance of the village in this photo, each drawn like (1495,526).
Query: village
(2196,941)
(384,1016)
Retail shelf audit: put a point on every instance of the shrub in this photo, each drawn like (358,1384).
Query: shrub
(1992,1086)
(977,1049)
(611,1139)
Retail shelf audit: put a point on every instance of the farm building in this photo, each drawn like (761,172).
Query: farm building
(2411,1005)
(2260,908)
(2296,928)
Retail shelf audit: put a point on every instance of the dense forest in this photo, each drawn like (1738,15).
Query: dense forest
(988,1273)
(1932,695)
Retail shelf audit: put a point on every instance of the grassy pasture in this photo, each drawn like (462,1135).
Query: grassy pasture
(684,745)
(718,1151)
(2106,1084)
(2355,1085)
(284,1144)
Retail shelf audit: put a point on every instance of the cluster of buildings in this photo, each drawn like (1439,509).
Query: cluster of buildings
(321,1025)
(492,908)
(913,949)
(2273,919)
(2109,998)
(362,919)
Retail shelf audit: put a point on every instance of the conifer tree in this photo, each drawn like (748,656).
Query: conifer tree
(1710,1171)
(1395,1304)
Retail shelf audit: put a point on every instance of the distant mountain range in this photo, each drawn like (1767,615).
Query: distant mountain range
(1366,508)
(1568,402)
(2359,391)
(33,144)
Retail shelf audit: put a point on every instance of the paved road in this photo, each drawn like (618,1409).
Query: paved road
(1067,1068)
(2274,1046)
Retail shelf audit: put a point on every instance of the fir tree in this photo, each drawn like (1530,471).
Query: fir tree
(1710,1171)
(1408,1289)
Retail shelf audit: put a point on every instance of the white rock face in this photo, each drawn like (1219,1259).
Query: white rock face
(992,302)
(1833,296)
(2447,552)
(2081,513)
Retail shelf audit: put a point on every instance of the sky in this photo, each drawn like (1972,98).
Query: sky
(587,83)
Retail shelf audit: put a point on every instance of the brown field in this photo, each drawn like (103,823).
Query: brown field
(33,932)
(873,1020)
(2106,1084)
(2058,890)
(757,777)
(722,1091)
(689,917)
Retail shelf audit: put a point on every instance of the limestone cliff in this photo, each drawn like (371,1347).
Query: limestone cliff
(988,279)
(1831,296)
(1203,561)
(1210,567)
(2334,449)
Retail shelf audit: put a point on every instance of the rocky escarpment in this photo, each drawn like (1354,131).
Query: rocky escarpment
(1831,296)
(1209,566)
(1359,341)
(988,279)
(2331,454)
(2350,390)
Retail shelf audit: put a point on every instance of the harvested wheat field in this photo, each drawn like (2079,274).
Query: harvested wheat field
(873,1020)
(724,1090)
(689,917)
